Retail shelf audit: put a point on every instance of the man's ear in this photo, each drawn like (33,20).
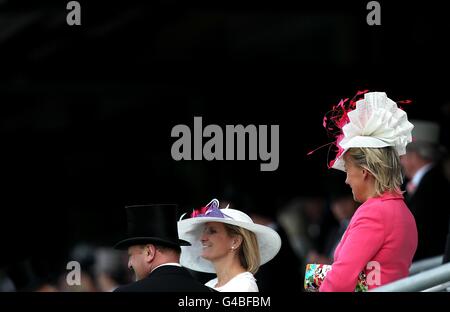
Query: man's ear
(149,252)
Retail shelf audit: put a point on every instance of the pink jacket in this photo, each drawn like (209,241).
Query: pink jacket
(382,230)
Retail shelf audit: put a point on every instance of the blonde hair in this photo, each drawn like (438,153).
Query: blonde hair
(384,165)
(249,250)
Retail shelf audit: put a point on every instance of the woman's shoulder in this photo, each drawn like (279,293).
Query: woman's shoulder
(372,209)
(243,282)
(381,208)
(382,202)
(245,276)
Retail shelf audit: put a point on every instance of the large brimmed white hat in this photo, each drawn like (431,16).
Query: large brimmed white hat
(269,242)
(375,122)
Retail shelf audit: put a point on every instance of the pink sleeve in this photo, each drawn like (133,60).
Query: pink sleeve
(364,240)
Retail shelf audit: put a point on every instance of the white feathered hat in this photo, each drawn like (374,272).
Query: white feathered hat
(375,122)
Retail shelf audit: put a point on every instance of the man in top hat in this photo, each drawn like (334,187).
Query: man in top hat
(154,251)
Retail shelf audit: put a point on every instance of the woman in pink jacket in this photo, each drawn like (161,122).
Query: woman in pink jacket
(381,238)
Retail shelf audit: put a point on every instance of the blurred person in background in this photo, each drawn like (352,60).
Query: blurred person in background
(25,276)
(6,284)
(427,188)
(272,276)
(110,269)
(84,255)
(308,223)
(445,139)
(343,207)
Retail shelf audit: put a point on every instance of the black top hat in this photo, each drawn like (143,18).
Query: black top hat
(154,224)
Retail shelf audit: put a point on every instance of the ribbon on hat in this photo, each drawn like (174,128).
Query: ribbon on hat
(211,210)
(335,120)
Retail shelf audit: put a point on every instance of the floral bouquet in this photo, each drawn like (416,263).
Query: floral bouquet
(315,274)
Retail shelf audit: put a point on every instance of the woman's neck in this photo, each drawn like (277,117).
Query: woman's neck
(369,192)
(226,269)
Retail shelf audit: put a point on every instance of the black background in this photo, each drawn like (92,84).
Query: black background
(87,110)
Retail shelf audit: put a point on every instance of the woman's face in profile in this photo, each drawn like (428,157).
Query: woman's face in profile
(216,241)
(355,178)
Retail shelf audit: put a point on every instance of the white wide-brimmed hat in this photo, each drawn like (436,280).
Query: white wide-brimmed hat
(375,122)
(269,242)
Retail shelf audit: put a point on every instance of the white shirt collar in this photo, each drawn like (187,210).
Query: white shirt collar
(420,173)
(169,263)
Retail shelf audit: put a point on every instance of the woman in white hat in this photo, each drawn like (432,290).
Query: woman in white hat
(381,238)
(228,243)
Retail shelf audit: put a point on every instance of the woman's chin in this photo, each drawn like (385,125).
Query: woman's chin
(205,256)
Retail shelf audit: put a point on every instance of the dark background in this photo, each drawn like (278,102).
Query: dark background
(87,110)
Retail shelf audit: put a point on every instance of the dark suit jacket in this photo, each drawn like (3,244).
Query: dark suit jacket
(430,207)
(168,278)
